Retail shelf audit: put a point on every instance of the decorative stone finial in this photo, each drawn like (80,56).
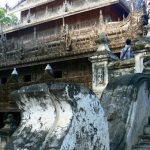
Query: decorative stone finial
(102,38)
(103,42)
(14,75)
(14,72)
(104,47)
(49,69)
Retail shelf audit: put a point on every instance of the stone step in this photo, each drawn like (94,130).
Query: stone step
(145,137)
(147,130)
(141,147)
(145,141)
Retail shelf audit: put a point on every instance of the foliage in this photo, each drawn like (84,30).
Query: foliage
(7,19)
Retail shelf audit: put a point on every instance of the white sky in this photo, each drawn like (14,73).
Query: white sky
(11,3)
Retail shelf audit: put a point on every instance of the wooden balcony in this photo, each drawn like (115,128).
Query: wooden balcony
(42,48)
(59,12)
(77,40)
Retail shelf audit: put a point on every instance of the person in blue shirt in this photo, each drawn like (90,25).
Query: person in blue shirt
(127,52)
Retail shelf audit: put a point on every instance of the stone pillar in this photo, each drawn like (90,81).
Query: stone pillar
(139,66)
(100,66)
(99,73)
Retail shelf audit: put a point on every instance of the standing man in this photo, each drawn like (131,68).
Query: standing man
(126,52)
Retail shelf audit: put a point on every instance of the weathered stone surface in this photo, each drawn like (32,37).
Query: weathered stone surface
(126,102)
(144,140)
(147,130)
(142,147)
(59,117)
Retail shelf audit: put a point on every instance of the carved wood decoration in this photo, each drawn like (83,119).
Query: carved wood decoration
(81,40)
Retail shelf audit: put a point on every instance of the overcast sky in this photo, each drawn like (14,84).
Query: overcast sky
(11,3)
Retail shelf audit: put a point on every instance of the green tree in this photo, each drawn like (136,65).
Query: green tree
(7,19)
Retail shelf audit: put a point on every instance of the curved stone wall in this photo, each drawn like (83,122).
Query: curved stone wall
(59,117)
(126,101)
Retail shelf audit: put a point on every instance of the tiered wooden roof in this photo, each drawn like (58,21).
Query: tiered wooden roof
(72,43)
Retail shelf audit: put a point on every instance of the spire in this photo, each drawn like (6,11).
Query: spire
(29,16)
(123,17)
(102,25)
(14,76)
(132,5)
(65,6)
(14,72)
(101,18)
(63,21)
(49,69)
(34,33)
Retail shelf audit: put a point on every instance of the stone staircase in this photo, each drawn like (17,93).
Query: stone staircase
(144,140)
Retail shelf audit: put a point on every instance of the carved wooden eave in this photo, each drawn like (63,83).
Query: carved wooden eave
(76,44)
(116,32)
(45,59)
(131,27)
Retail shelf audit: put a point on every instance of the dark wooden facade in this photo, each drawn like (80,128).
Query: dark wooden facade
(31,47)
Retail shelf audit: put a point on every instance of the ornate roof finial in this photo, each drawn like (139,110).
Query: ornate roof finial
(46,11)
(132,5)
(29,16)
(66,6)
(123,17)
(14,75)
(34,33)
(101,18)
(63,21)
(14,72)
(49,69)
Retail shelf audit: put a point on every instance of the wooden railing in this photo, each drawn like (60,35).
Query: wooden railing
(48,14)
(77,38)
(20,49)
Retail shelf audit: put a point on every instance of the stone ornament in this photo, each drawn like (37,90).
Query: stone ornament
(99,75)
